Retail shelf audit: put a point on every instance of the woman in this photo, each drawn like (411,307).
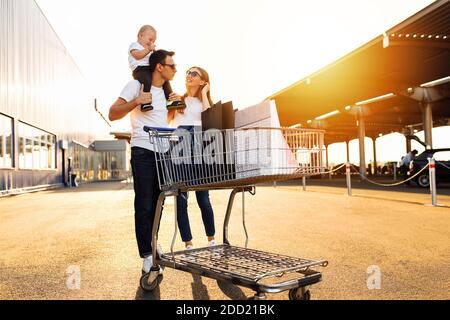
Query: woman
(197,100)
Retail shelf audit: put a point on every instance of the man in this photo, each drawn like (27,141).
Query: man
(146,186)
(404,165)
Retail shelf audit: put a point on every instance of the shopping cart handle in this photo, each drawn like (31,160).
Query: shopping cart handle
(148,129)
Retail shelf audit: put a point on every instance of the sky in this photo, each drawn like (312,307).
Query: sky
(250,48)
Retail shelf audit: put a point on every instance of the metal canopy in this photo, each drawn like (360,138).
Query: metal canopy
(393,115)
(415,52)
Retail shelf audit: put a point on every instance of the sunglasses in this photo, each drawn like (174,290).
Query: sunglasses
(193,74)
(173,66)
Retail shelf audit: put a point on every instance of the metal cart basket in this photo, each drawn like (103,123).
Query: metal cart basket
(235,159)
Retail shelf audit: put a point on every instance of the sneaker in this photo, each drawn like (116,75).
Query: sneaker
(146,107)
(175,105)
(159,250)
(212,243)
(190,247)
(147,265)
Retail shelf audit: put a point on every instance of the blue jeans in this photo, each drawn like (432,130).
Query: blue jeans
(203,202)
(207,215)
(146,193)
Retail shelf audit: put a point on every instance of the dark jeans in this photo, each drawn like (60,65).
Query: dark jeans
(404,169)
(146,193)
(202,200)
(207,215)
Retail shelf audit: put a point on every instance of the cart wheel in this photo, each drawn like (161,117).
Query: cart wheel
(258,296)
(297,294)
(149,287)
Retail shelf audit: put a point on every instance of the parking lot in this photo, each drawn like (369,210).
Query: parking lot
(46,237)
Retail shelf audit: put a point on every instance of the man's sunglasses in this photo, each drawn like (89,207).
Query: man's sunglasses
(193,74)
(173,66)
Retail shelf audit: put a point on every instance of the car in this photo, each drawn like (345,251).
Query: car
(442,157)
(341,169)
(388,168)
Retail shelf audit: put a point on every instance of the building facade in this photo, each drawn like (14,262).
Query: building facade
(47,112)
(102,161)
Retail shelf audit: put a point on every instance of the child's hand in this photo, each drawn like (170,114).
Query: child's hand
(144,97)
(150,46)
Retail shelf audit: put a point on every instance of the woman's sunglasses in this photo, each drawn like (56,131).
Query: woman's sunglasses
(193,74)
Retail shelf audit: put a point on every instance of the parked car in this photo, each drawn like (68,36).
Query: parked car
(388,168)
(343,169)
(442,157)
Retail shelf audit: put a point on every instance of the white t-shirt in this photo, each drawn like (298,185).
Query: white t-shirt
(155,118)
(192,115)
(137,63)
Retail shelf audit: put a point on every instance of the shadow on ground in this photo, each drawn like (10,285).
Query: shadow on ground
(145,295)
(200,291)
(339,182)
(94,187)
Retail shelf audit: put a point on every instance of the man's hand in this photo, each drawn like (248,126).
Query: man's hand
(144,97)
(174,97)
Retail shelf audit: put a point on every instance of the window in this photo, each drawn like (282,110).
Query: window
(6,142)
(442,156)
(37,148)
(21,152)
(83,162)
(36,151)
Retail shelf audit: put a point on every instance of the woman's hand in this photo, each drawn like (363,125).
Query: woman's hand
(205,89)
(205,99)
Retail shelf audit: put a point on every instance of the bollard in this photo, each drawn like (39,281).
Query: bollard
(395,171)
(432,170)
(304,183)
(349,180)
(5,178)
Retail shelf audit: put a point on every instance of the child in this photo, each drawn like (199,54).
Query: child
(138,57)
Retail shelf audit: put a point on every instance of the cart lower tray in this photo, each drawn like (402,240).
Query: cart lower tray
(245,266)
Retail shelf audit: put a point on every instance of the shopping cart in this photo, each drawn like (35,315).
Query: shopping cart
(235,159)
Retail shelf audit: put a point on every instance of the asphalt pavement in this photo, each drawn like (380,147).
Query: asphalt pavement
(80,243)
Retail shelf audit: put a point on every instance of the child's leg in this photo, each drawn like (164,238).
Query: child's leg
(142,74)
(167,89)
(135,73)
